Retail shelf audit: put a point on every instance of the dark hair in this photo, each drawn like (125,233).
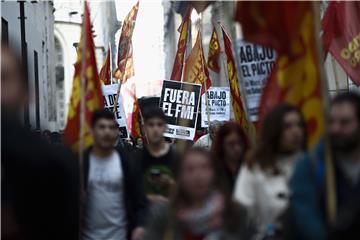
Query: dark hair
(153,112)
(271,130)
(102,114)
(218,150)
(222,133)
(349,97)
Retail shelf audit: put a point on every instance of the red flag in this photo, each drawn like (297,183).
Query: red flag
(105,71)
(85,70)
(180,54)
(131,108)
(214,52)
(341,25)
(236,101)
(196,70)
(288,27)
(125,53)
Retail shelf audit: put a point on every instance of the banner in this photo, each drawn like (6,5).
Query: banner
(218,104)
(180,103)
(109,94)
(255,63)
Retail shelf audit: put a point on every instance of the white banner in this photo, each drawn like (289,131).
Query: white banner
(256,63)
(109,94)
(218,103)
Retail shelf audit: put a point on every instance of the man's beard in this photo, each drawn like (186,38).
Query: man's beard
(345,144)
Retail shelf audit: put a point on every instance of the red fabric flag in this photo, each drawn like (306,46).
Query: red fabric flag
(105,71)
(236,101)
(85,70)
(214,52)
(180,54)
(125,53)
(288,27)
(196,70)
(341,36)
(131,108)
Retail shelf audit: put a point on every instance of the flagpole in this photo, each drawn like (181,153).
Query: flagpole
(111,67)
(329,167)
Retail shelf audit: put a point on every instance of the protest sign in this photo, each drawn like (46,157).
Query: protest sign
(180,103)
(218,104)
(255,63)
(109,95)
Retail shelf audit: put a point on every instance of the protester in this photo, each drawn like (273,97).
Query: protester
(156,158)
(39,182)
(308,184)
(114,206)
(199,209)
(205,141)
(229,148)
(262,184)
(139,142)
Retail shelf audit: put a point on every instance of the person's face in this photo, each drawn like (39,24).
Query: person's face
(139,142)
(292,137)
(233,146)
(154,129)
(344,127)
(13,91)
(105,133)
(197,175)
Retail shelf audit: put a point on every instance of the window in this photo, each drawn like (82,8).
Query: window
(4,31)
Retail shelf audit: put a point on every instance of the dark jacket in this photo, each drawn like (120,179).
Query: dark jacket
(308,200)
(134,197)
(40,193)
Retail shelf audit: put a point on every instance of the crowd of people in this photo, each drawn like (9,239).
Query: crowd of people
(223,187)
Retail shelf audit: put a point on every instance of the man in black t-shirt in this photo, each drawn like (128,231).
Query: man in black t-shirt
(156,159)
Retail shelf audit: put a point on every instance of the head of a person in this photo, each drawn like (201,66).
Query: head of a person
(213,128)
(104,129)
(154,125)
(139,142)
(283,132)
(196,176)
(344,122)
(14,87)
(230,144)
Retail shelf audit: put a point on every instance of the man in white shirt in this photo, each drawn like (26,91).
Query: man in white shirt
(114,207)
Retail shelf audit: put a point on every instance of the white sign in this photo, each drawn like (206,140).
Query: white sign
(180,103)
(109,94)
(218,104)
(256,63)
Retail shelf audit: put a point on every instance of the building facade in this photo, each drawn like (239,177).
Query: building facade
(28,27)
(67,30)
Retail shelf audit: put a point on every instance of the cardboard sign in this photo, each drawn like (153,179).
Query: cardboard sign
(218,104)
(109,94)
(255,63)
(180,103)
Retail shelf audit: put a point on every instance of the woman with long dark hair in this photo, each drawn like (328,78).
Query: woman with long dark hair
(229,149)
(262,184)
(199,209)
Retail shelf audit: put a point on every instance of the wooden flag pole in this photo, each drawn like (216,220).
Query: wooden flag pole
(330,184)
(111,67)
